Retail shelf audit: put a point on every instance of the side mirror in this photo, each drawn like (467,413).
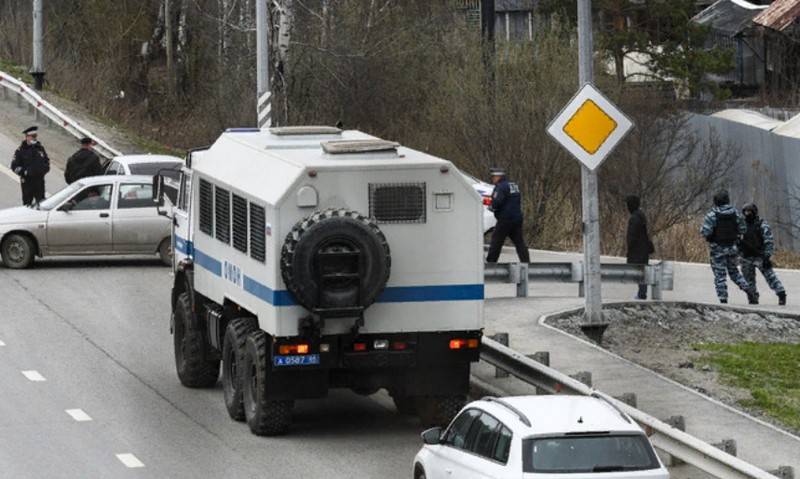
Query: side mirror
(67,207)
(432,436)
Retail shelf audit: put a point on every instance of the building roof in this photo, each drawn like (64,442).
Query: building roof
(561,413)
(748,117)
(780,15)
(729,17)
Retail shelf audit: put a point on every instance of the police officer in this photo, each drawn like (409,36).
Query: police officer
(83,163)
(507,208)
(756,247)
(31,163)
(723,226)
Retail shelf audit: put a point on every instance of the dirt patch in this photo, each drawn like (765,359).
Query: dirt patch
(664,338)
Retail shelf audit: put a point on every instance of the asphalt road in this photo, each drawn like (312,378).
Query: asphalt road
(97,332)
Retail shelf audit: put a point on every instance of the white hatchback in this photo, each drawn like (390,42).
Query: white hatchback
(536,437)
(485,190)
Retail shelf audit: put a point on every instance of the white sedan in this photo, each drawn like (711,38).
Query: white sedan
(539,437)
(485,190)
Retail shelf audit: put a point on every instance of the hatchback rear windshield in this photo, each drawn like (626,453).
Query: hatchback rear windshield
(151,169)
(588,453)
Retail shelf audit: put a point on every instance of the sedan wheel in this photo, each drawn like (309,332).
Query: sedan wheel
(17,251)
(165,251)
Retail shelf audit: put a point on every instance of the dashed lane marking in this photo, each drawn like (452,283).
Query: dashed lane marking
(33,376)
(2,343)
(129,460)
(78,415)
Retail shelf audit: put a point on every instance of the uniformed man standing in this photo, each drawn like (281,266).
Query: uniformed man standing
(83,163)
(756,248)
(507,208)
(723,226)
(31,163)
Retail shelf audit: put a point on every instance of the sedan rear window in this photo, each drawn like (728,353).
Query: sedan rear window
(153,168)
(588,453)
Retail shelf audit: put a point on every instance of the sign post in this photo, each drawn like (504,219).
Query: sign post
(589,127)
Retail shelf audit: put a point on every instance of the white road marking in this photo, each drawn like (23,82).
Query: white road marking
(9,173)
(2,343)
(78,415)
(33,376)
(130,460)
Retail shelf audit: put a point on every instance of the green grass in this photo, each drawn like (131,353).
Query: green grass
(771,372)
(17,71)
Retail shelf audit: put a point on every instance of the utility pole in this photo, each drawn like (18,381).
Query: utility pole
(594,325)
(170,60)
(489,66)
(263,92)
(37,69)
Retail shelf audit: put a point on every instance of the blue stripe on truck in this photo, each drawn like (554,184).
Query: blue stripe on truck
(392,294)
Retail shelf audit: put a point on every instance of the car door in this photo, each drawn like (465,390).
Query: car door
(181,241)
(488,443)
(82,224)
(137,226)
(445,458)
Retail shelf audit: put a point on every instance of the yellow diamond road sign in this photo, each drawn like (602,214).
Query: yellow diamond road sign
(589,127)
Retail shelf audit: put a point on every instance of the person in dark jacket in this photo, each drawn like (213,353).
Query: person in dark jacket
(507,208)
(638,240)
(83,163)
(31,163)
(722,228)
(756,247)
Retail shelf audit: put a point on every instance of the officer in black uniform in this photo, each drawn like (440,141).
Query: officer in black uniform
(83,163)
(31,163)
(507,208)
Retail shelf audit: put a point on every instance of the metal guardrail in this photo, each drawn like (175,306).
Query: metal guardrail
(663,436)
(41,106)
(659,276)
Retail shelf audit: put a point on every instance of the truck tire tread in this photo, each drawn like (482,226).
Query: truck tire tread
(235,337)
(195,370)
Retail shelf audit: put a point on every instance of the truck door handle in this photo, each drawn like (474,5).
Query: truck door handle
(104,215)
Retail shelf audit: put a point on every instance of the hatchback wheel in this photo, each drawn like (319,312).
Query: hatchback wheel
(17,251)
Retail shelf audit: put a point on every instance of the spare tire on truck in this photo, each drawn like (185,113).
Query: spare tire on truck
(335,260)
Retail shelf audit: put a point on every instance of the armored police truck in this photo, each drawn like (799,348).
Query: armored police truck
(309,258)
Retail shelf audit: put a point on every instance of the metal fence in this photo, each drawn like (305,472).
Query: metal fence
(665,437)
(659,276)
(40,106)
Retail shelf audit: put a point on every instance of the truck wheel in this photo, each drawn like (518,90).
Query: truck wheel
(194,370)
(17,251)
(265,417)
(232,362)
(439,410)
(165,251)
(317,269)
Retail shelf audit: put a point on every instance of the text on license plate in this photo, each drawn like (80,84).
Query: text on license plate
(300,360)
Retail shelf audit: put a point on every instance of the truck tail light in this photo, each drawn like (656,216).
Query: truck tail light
(359,347)
(380,344)
(464,344)
(399,346)
(285,349)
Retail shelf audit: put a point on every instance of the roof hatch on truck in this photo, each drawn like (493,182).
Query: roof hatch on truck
(354,147)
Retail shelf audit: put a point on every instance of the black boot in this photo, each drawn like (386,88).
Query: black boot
(723,301)
(782,298)
(752,297)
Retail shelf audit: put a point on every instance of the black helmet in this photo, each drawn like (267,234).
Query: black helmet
(750,207)
(722,198)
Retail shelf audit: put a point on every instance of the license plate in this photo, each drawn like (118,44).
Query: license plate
(300,360)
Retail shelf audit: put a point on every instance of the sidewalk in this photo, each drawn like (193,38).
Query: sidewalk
(758,442)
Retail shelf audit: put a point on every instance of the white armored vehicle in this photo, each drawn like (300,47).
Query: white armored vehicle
(309,258)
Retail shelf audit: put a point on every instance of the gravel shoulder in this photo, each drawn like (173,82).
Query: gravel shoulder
(663,337)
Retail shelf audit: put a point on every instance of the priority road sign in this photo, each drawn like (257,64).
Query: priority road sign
(590,126)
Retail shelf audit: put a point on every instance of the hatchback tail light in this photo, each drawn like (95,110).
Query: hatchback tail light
(487,201)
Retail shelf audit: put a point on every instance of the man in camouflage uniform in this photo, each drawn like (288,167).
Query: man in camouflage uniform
(756,247)
(723,226)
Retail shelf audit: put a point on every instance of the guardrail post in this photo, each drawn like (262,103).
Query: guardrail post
(727,445)
(679,423)
(628,398)
(19,100)
(522,284)
(783,472)
(583,376)
(501,338)
(3,93)
(542,357)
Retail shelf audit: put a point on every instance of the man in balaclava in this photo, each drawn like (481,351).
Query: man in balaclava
(722,228)
(756,247)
